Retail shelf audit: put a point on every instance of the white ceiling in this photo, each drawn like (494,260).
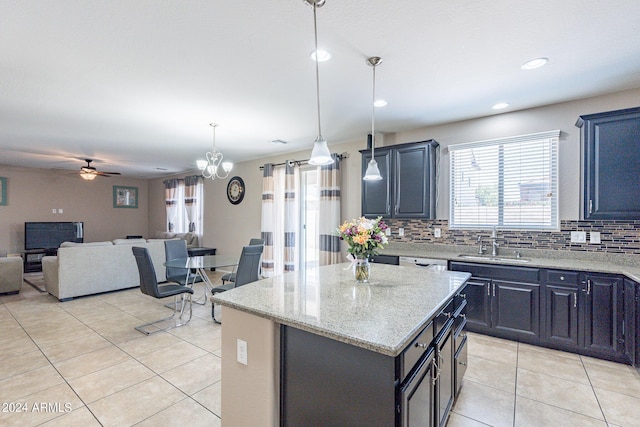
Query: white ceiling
(135,84)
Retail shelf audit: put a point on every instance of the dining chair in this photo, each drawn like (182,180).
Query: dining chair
(246,272)
(175,249)
(231,277)
(149,286)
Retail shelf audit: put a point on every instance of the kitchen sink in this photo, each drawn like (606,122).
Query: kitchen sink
(494,258)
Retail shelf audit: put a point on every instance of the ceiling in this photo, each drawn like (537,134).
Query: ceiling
(135,84)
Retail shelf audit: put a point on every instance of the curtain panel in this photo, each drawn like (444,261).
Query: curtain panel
(330,199)
(268,220)
(193,198)
(171,202)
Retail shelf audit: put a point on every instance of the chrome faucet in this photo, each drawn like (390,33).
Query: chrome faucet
(481,247)
(494,242)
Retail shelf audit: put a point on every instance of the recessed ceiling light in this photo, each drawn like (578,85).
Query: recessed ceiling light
(500,106)
(534,63)
(323,55)
(380,103)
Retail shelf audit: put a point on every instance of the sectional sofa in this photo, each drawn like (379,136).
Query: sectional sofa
(90,268)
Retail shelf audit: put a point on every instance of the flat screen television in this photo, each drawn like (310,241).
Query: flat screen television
(49,235)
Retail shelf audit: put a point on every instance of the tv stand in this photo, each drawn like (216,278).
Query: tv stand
(33,259)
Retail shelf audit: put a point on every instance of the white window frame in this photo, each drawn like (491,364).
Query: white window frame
(507,164)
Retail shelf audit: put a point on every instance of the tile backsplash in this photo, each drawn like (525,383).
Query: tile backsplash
(615,236)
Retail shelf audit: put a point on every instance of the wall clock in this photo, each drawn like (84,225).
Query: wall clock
(235,190)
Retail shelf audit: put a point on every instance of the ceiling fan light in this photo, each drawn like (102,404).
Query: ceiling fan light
(373,172)
(88,176)
(320,155)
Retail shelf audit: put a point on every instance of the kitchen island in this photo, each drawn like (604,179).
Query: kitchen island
(315,348)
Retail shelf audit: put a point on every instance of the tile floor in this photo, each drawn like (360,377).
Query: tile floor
(82,363)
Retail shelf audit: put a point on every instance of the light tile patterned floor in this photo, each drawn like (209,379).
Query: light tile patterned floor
(513,384)
(82,363)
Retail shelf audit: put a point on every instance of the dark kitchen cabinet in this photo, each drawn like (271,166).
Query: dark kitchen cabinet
(611,160)
(602,314)
(408,185)
(516,308)
(561,308)
(502,300)
(631,322)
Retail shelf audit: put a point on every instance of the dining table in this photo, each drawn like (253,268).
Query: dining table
(200,265)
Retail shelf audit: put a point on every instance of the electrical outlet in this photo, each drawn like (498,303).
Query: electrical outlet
(400,231)
(60,211)
(53,211)
(437,232)
(578,237)
(387,232)
(594,237)
(242,352)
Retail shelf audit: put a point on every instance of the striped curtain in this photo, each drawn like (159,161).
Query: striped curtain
(330,180)
(171,202)
(193,202)
(280,218)
(291,215)
(268,220)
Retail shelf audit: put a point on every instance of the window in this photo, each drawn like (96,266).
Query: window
(511,183)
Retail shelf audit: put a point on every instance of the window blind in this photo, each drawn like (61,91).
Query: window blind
(511,183)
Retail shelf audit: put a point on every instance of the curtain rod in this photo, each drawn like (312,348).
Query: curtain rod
(305,161)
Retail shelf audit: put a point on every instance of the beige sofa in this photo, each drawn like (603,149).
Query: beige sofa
(90,268)
(190,238)
(10,275)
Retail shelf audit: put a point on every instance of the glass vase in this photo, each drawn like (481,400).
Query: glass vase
(361,269)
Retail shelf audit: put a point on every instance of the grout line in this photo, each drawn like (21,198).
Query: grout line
(604,417)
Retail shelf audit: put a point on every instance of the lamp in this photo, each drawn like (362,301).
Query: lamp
(88,176)
(320,155)
(210,167)
(373,172)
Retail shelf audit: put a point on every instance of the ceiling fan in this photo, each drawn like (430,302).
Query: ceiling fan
(89,173)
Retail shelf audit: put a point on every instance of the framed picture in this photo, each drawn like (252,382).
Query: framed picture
(3,191)
(125,197)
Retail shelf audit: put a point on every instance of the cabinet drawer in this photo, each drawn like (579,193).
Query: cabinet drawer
(415,350)
(561,277)
(460,365)
(441,319)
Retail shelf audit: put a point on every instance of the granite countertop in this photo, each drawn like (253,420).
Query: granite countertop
(383,315)
(597,262)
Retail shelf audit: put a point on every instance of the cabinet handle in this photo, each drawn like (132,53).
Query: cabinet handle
(590,206)
(463,296)
(575,300)
(464,316)
(460,362)
(489,290)
(589,287)
(435,372)
(422,345)
(494,289)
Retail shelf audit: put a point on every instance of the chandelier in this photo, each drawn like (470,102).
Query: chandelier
(373,172)
(211,168)
(320,155)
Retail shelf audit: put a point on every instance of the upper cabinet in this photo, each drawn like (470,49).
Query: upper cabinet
(408,185)
(611,164)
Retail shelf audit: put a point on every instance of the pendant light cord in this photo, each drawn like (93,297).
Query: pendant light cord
(373,113)
(315,30)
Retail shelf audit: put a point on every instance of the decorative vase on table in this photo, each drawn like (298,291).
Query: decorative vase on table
(361,269)
(364,237)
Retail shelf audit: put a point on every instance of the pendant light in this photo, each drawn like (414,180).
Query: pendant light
(211,167)
(320,155)
(373,172)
